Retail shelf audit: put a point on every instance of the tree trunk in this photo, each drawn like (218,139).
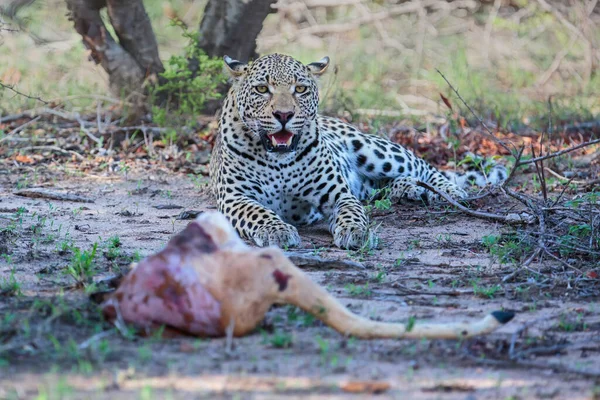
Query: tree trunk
(127,62)
(228,27)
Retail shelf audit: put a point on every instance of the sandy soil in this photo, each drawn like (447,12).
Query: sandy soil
(431,265)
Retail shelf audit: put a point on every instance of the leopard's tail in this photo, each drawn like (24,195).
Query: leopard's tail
(479,171)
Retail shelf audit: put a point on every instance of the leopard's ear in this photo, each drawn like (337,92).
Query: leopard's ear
(235,68)
(319,67)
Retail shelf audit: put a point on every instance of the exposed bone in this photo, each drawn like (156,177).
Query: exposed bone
(207,280)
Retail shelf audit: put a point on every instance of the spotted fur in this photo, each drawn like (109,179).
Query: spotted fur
(265,186)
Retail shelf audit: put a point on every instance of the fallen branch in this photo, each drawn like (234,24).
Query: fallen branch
(310,261)
(513,218)
(87,132)
(38,193)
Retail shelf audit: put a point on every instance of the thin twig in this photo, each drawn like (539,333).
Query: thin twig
(511,174)
(500,142)
(522,198)
(559,153)
(479,214)
(86,343)
(564,178)
(566,186)
(12,88)
(523,266)
(564,263)
(517,333)
(539,174)
(86,131)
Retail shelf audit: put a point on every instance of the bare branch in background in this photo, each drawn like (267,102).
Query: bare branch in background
(17,92)
(405,8)
(489,27)
(575,36)
(563,20)
(512,151)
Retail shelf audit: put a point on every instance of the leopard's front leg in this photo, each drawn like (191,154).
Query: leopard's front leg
(257,223)
(349,224)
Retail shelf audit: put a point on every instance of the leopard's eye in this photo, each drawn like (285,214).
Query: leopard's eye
(262,89)
(300,89)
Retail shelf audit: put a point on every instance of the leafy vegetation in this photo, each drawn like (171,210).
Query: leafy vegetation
(82,267)
(182,92)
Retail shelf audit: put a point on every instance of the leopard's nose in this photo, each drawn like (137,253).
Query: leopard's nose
(283,117)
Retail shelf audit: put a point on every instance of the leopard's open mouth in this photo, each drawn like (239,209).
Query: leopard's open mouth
(280,142)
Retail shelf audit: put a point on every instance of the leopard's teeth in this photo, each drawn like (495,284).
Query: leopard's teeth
(289,141)
(273,141)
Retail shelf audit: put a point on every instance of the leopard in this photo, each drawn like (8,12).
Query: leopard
(278,164)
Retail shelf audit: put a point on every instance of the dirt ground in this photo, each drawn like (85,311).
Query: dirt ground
(430,265)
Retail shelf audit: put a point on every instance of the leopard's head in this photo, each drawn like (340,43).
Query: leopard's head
(277,97)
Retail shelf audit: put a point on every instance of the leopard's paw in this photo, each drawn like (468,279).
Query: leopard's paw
(353,236)
(456,192)
(281,235)
(408,190)
(412,191)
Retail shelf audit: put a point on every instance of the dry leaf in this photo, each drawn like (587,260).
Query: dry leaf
(446,101)
(365,386)
(24,159)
